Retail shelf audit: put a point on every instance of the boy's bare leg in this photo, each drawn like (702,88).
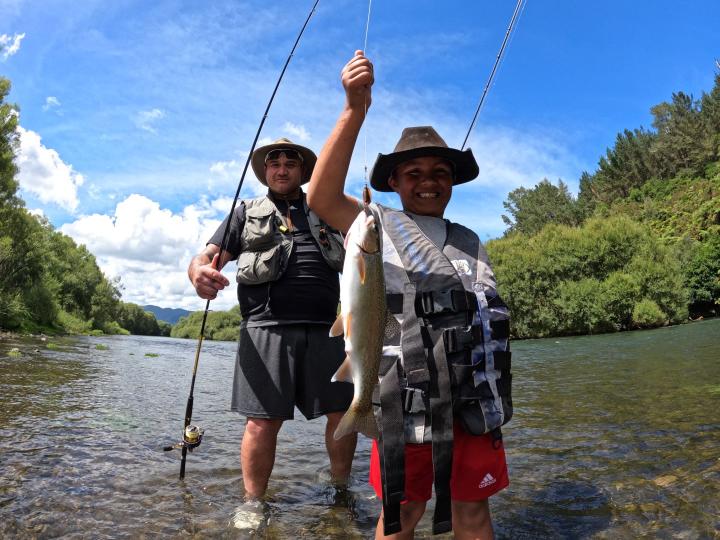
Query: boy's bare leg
(410,514)
(471,520)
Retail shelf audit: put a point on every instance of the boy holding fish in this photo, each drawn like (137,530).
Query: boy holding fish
(444,368)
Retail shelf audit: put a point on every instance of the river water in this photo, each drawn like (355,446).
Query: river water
(614,436)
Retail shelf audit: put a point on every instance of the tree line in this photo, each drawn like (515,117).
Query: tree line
(640,244)
(47,281)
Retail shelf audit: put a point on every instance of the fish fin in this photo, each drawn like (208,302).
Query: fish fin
(337,328)
(392,325)
(352,421)
(361,269)
(348,319)
(344,372)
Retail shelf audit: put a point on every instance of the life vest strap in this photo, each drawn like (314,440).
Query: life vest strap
(441,418)
(502,360)
(391,450)
(500,329)
(411,342)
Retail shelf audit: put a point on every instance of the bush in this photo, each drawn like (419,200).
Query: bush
(586,280)
(703,275)
(73,324)
(647,314)
(42,304)
(12,311)
(113,328)
(620,290)
(580,308)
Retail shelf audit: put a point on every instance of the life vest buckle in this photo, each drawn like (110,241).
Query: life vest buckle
(413,400)
(462,338)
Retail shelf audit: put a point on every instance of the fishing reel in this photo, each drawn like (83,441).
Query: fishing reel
(192,437)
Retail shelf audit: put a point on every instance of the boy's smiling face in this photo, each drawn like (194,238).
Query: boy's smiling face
(424,185)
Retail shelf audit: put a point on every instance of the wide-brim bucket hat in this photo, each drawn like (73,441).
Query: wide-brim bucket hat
(422,141)
(259,155)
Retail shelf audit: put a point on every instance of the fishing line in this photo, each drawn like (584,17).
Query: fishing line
(367,30)
(191,434)
(513,21)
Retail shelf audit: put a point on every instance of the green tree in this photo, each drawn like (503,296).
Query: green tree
(9,143)
(45,278)
(21,238)
(703,275)
(629,164)
(678,147)
(138,321)
(532,209)
(710,121)
(220,325)
(105,302)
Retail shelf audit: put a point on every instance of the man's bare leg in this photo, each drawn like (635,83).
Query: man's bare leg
(340,452)
(257,454)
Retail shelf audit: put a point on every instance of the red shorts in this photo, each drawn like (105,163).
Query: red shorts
(478,469)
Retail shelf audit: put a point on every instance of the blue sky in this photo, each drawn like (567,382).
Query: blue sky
(137,117)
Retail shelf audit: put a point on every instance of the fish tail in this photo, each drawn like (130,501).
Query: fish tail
(352,421)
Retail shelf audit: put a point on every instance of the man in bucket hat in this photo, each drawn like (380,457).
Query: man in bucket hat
(288,289)
(444,387)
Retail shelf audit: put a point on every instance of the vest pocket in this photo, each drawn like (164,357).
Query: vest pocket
(256,267)
(259,226)
(263,253)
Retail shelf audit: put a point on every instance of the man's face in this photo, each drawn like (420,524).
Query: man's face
(283,175)
(424,185)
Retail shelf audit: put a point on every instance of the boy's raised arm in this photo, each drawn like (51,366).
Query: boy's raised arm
(326,194)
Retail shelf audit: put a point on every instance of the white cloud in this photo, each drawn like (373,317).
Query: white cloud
(149,248)
(43,173)
(50,103)
(9,45)
(297,131)
(229,173)
(145,120)
(509,159)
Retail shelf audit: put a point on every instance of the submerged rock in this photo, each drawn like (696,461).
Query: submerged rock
(665,481)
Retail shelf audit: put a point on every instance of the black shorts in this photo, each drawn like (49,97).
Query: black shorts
(280,367)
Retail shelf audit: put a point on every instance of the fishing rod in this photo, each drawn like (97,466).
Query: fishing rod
(192,435)
(513,21)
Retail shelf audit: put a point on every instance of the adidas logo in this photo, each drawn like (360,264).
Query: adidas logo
(487,480)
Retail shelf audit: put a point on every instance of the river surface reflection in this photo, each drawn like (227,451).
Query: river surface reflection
(614,436)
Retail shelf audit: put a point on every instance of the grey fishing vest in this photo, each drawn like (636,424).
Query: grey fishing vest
(266,242)
(446,295)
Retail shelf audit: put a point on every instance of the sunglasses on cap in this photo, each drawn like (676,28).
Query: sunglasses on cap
(290,153)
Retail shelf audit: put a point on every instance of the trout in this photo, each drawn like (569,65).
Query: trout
(362,320)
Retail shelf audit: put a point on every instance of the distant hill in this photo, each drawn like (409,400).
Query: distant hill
(171,315)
